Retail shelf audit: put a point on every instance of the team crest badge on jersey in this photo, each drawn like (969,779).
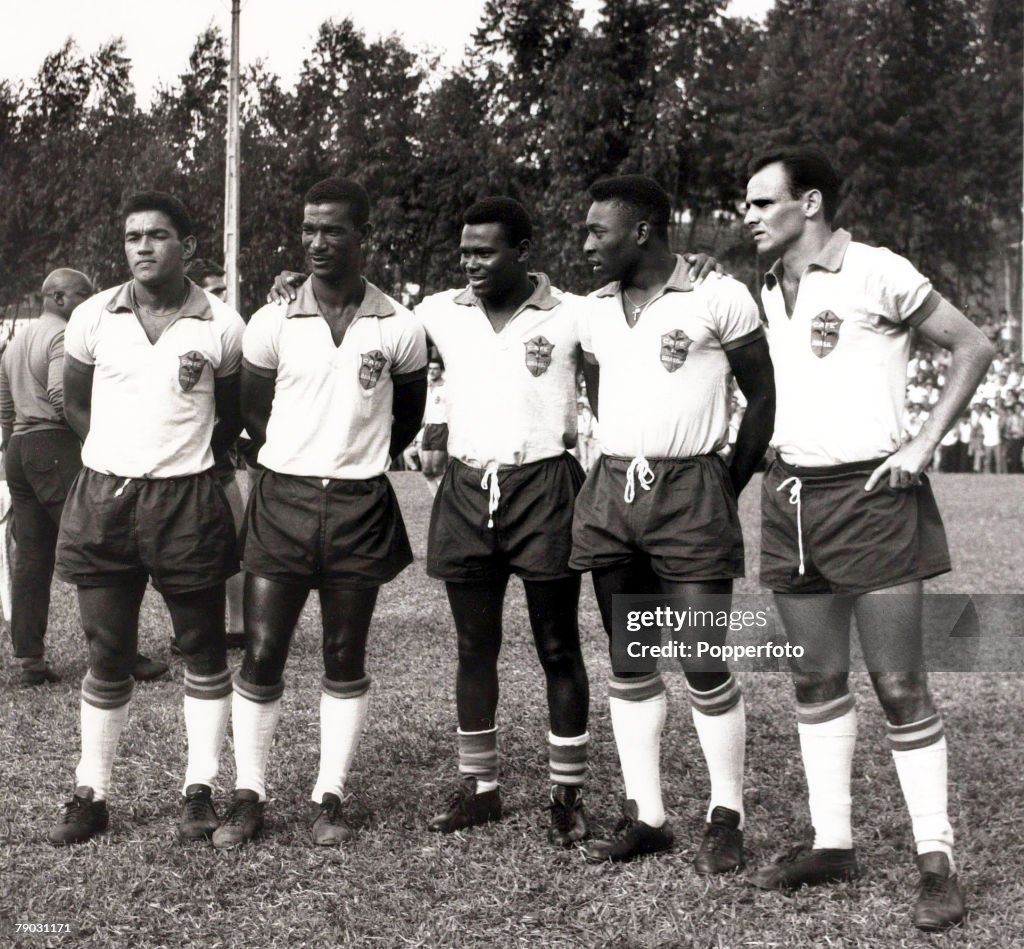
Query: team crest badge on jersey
(190,369)
(370,369)
(674,348)
(538,355)
(825,333)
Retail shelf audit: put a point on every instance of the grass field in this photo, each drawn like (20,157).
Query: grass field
(503,885)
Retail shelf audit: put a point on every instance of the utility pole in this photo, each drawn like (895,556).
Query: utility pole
(232,167)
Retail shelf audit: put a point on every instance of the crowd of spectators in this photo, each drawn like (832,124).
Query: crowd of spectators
(989,437)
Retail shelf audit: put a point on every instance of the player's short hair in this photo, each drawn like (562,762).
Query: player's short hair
(199,268)
(342,191)
(507,212)
(808,169)
(643,195)
(159,201)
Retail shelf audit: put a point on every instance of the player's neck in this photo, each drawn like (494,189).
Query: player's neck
(652,273)
(347,290)
(511,298)
(805,250)
(163,298)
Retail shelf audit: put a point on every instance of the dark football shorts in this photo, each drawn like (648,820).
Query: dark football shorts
(435,437)
(854,541)
(686,523)
(532,532)
(347,534)
(177,531)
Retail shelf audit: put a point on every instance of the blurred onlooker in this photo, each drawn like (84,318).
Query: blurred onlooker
(946,455)
(433,437)
(208,275)
(965,436)
(991,441)
(1013,436)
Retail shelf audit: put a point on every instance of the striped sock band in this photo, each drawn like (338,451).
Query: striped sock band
(257,693)
(345,690)
(817,713)
(717,701)
(478,754)
(106,695)
(636,690)
(916,735)
(215,686)
(567,758)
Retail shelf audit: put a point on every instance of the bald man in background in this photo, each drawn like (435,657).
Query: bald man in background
(42,457)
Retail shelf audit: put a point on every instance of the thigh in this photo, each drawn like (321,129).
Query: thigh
(634,576)
(819,624)
(553,607)
(476,610)
(703,670)
(197,619)
(270,611)
(110,618)
(889,628)
(346,622)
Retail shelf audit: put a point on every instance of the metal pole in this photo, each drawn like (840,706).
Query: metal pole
(232,167)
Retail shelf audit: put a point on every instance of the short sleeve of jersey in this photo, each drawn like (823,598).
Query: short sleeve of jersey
(409,345)
(735,313)
(899,290)
(260,341)
(231,343)
(80,335)
(581,315)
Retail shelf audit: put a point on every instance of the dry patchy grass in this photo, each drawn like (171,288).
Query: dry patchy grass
(503,885)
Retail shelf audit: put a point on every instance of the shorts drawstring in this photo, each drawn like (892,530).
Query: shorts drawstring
(120,490)
(794,498)
(491,475)
(638,470)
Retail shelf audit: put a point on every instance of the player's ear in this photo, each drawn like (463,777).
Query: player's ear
(643,233)
(524,248)
(365,230)
(188,247)
(813,202)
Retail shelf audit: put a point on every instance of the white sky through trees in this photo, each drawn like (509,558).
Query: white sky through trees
(160,36)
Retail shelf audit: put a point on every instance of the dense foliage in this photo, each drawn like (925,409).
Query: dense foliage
(919,101)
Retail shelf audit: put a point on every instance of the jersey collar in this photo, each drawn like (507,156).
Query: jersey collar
(829,258)
(541,299)
(679,280)
(196,304)
(375,303)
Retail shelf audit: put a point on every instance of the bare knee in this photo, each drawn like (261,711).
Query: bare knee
(903,696)
(813,687)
